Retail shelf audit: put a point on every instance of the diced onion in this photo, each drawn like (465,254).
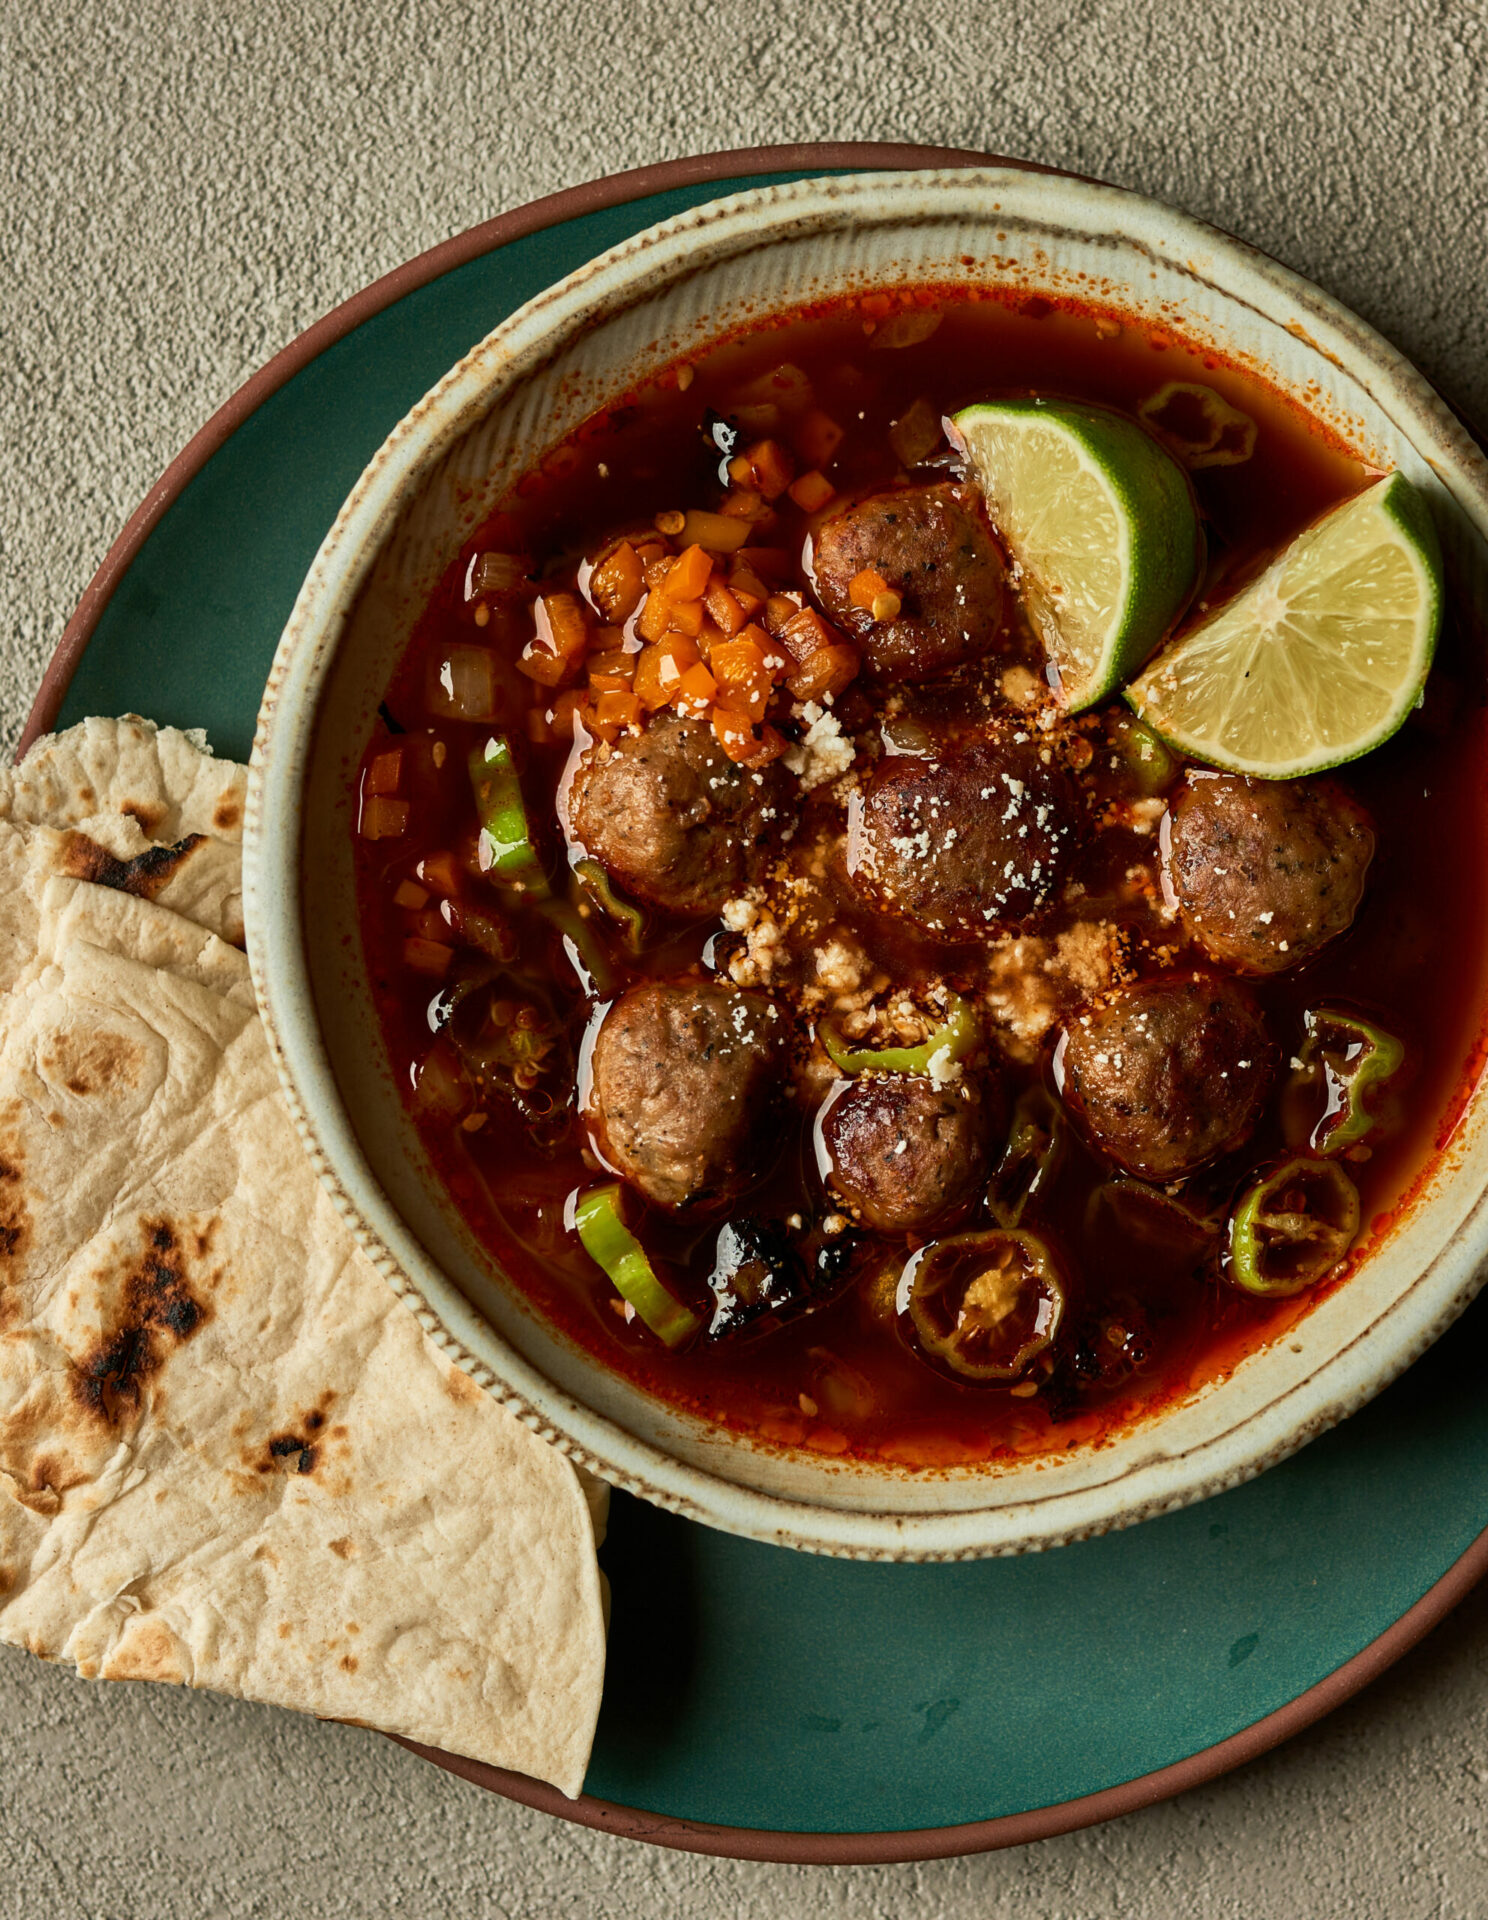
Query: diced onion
(462,685)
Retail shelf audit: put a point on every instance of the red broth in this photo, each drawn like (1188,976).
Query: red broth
(1143,1324)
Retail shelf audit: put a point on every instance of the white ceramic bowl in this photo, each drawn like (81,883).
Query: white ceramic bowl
(438,476)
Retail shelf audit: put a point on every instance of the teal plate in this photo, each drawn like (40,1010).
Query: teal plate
(759,1702)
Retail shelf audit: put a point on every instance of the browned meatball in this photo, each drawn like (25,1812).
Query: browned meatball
(672,818)
(683,1079)
(1265,871)
(904,1154)
(1168,1073)
(937,553)
(972,842)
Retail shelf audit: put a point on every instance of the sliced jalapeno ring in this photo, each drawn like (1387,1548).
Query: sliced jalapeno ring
(1347,1060)
(599,887)
(1031,1158)
(956,1037)
(1147,1214)
(984,1305)
(506,849)
(1144,757)
(1292,1228)
(598,1217)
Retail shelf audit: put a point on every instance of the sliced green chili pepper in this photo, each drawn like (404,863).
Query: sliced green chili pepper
(1139,1212)
(1292,1228)
(952,1040)
(1031,1158)
(985,1305)
(507,854)
(601,1226)
(625,913)
(1143,754)
(588,955)
(1346,1059)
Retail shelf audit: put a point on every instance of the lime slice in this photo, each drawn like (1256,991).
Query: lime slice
(1321,658)
(1099,519)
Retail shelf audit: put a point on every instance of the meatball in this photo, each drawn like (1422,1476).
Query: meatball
(937,553)
(904,1154)
(974,841)
(1265,872)
(1168,1073)
(683,1079)
(672,818)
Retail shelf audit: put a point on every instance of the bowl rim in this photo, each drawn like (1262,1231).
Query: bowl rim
(281,968)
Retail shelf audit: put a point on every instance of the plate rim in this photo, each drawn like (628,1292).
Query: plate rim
(741,1843)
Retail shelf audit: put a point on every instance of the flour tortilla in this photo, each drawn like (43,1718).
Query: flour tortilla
(139,808)
(229,1456)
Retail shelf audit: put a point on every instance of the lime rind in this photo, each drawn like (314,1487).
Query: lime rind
(1100,521)
(1319,660)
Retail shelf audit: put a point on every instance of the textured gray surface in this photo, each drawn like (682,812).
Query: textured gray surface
(189,186)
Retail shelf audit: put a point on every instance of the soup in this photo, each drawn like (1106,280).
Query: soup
(820,1023)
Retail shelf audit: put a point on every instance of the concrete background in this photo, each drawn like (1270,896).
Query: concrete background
(188,187)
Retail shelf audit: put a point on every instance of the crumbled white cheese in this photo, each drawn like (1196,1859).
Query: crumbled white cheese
(824,753)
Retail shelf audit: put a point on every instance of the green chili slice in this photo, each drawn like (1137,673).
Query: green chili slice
(1031,1158)
(956,1036)
(588,955)
(1143,755)
(507,853)
(1165,1226)
(600,1222)
(1346,1059)
(626,914)
(1292,1228)
(985,1305)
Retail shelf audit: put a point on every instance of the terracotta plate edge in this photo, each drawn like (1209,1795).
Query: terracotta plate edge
(740,1843)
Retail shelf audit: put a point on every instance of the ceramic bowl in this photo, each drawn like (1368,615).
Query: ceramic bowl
(578,345)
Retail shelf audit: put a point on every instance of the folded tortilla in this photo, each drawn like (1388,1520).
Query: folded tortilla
(229,1456)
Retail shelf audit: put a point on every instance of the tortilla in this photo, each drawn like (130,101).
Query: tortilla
(229,1456)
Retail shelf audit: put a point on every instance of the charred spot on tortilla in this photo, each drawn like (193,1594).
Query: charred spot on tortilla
(157,1310)
(228,813)
(15,1215)
(146,874)
(88,1063)
(145,816)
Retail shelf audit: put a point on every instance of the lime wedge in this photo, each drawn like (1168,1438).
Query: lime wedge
(1099,520)
(1321,658)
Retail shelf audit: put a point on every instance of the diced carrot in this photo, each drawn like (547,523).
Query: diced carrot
(440,872)
(830,670)
(411,895)
(560,716)
(687,618)
(612,712)
(865,587)
(429,957)
(817,438)
(553,653)
(655,616)
(780,610)
(811,492)
(383,819)
(688,578)
(654,563)
(740,470)
(696,691)
(806,633)
(743,679)
(659,670)
(611,671)
(771,468)
(711,636)
(385,774)
(734,732)
(723,607)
